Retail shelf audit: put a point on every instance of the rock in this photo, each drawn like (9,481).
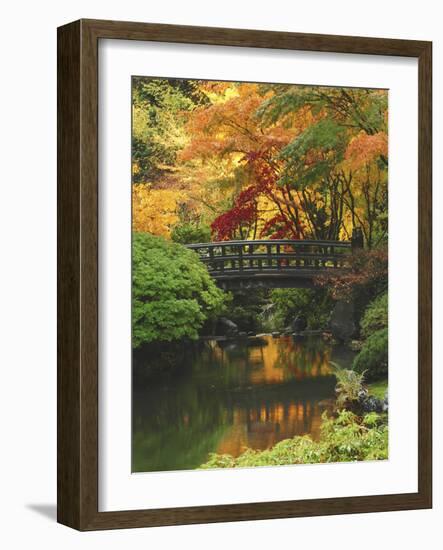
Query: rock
(226,327)
(299,323)
(362,394)
(275,334)
(342,324)
(311,332)
(355,345)
(256,342)
(242,334)
(386,402)
(251,333)
(371,404)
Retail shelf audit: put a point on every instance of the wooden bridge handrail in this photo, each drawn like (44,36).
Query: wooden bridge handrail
(281,256)
(301,242)
(273,263)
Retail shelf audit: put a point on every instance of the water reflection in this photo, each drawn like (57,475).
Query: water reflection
(232,395)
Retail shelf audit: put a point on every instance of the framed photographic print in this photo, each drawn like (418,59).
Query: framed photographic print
(244,275)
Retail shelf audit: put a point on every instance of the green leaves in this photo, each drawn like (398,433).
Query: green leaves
(373,357)
(314,304)
(287,101)
(313,154)
(187,233)
(375,316)
(158,123)
(323,136)
(349,385)
(173,294)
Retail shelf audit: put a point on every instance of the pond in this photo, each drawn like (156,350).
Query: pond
(251,392)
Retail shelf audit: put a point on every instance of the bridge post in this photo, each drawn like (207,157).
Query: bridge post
(357,239)
(269,253)
(342,324)
(240,257)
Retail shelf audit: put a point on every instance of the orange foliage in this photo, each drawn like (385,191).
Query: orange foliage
(231,126)
(364,148)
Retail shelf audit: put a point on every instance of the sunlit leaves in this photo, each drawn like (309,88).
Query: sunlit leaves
(154,210)
(263,160)
(364,148)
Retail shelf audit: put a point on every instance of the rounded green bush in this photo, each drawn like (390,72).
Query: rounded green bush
(375,316)
(172,291)
(373,357)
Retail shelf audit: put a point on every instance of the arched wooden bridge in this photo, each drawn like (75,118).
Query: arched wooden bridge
(272,263)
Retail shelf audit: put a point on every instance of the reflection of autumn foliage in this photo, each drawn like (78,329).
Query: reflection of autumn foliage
(368,270)
(281,359)
(304,359)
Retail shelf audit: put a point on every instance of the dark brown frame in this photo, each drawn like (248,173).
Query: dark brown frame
(77,455)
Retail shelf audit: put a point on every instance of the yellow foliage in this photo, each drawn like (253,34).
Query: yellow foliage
(154,210)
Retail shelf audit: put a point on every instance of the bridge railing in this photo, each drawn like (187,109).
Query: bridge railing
(229,257)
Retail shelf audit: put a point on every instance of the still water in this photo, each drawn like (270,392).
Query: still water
(246,393)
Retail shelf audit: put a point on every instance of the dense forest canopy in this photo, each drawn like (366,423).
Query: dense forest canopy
(232,160)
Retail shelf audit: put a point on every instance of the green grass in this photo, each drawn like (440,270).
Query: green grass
(378,389)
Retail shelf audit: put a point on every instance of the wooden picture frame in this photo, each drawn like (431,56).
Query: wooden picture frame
(78,274)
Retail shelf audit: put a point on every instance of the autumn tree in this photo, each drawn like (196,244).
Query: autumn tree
(159,113)
(261,161)
(229,133)
(338,165)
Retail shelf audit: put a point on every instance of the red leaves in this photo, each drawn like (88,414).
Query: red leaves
(367,268)
(280,227)
(243,213)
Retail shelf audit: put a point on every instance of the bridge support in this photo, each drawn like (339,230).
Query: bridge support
(342,324)
(357,241)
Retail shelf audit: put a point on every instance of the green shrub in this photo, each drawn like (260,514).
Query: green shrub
(375,316)
(346,438)
(188,233)
(314,304)
(373,357)
(244,308)
(172,291)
